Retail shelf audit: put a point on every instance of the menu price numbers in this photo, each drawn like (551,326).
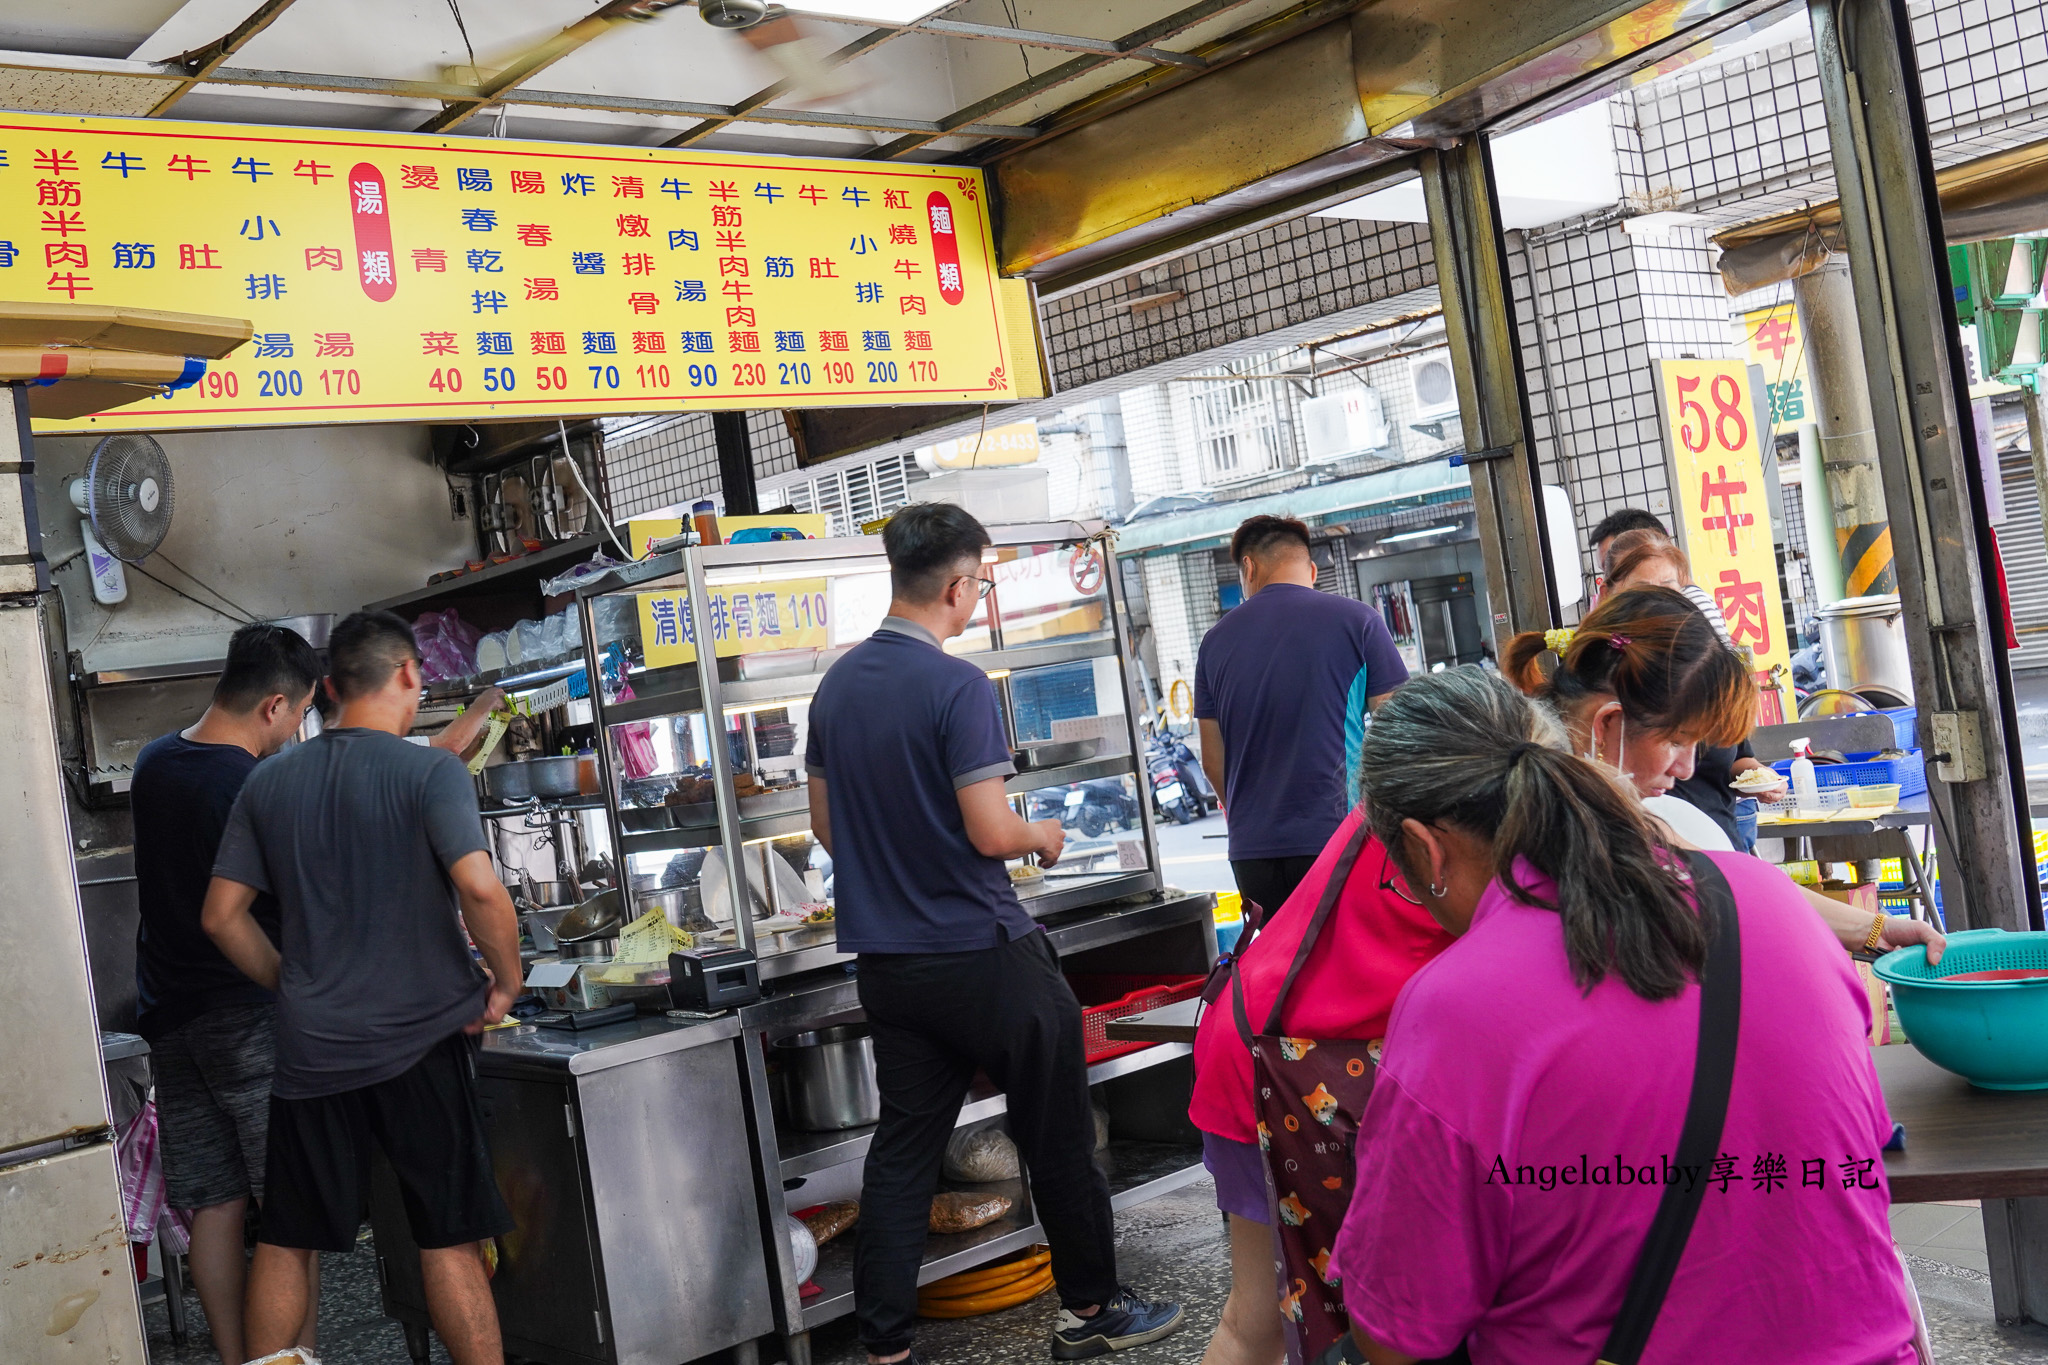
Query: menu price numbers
(280,384)
(749,375)
(807,610)
(703,376)
(219,384)
(881,372)
(1727,398)
(651,376)
(335,383)
(924,371)
(446,381)
(798,372)
(499,379)
(838,371)
(550,377)
(603,376)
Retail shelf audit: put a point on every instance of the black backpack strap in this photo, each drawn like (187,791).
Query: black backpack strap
(1705,1114)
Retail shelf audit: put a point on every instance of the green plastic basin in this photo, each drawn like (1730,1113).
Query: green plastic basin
(1992,1033)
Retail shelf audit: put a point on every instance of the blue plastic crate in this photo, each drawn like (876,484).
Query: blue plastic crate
(1909,772)
(1905,726)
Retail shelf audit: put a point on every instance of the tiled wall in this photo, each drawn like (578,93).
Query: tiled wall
(663,461)
(1236,292)
(1748,138)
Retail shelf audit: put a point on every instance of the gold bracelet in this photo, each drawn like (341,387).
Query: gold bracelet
(1875,937)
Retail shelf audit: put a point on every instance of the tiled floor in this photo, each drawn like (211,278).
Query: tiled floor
(1949,1234)
(1175,1245)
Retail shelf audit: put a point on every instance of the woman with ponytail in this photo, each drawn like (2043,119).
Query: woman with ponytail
(1642,683)
(1552,1048)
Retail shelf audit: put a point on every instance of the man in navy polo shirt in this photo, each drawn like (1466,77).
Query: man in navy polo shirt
(1282,687)
(907,756)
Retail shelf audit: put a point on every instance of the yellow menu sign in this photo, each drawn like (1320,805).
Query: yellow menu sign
(1774,341)
(1721,509)
(404,277)
(744,618)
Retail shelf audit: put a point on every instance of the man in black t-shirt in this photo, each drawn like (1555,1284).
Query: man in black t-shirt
(210,1027)
(375,852)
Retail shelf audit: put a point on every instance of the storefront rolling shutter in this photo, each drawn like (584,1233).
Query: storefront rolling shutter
(2021,546)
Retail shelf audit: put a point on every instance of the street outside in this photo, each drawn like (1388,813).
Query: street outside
(1196,856)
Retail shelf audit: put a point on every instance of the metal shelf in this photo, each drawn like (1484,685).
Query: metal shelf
(1019,657)
(775,966)
(1038,779)
(665,701)
(510,679)
(1090,891)
(806,1153)
(703,836)
(542,807)
(501,577)
(1137,1172)
(944,1254)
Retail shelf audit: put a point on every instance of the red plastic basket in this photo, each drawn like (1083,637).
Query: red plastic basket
(1117,995)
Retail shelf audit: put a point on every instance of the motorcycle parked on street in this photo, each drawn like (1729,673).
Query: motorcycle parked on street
(1170,794)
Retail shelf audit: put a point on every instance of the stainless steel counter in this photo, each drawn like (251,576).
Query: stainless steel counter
(624,1155)
(513,1051)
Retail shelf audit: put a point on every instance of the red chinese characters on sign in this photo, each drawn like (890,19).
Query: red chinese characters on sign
(365,187)
(1742,603)
(1719,485)
(938,212)
(1774,336)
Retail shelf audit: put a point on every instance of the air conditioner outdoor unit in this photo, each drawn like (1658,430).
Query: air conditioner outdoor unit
(1343,424)
(1435,387)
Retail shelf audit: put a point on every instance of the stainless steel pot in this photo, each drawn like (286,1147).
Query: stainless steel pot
(549,778)
(508,782)
(1863,641)
(670,903)
(831,1078)
(554,777)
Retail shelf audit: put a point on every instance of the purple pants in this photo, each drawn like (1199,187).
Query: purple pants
(1239,1169)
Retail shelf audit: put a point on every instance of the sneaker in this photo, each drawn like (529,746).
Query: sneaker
(1123,1322)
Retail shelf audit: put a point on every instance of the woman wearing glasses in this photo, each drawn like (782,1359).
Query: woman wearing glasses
(1372,935)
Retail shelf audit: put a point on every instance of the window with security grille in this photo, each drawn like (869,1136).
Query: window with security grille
(1240,426)
(851,498)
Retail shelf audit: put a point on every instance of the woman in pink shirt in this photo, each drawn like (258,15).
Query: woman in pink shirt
(1551,1049)
(1373,943)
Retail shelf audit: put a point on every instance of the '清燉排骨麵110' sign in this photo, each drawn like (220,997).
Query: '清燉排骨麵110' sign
(399,277)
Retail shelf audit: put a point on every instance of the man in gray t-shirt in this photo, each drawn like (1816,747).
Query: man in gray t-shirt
(375,852)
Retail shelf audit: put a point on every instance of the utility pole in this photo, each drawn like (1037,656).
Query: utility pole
(1826,299)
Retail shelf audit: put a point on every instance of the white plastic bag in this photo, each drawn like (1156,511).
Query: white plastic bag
(980,1155)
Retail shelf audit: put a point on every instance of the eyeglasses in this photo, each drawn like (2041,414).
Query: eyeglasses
(983,586)
(1390,880)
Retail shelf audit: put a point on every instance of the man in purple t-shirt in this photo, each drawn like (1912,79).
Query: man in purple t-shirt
(1282,687)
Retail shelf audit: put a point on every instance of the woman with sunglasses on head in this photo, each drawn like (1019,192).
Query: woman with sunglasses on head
(1564,1037)
(1645,682)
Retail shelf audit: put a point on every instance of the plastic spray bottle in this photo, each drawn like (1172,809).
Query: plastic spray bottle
(1805,786)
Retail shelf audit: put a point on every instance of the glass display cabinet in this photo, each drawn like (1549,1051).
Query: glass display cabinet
(701,750)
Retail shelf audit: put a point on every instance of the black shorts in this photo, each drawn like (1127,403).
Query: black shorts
(428,1123)
(212,1104)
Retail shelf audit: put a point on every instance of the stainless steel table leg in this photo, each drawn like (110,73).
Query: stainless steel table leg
(798,1348)
(747,1353)
(2016,1239)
